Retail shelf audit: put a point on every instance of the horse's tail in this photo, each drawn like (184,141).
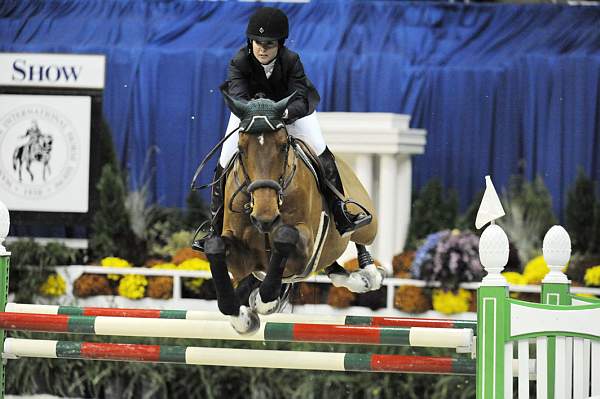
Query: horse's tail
(17,156)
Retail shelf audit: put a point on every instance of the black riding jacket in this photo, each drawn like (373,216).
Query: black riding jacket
(246,77)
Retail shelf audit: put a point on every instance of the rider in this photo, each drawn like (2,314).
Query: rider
(266,66)
(33,134)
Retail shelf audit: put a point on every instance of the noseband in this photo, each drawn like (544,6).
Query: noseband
(248,186)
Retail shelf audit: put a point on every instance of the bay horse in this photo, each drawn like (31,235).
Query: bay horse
(39,151)
(276,224)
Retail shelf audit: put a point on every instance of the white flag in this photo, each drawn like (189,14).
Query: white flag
(490,208)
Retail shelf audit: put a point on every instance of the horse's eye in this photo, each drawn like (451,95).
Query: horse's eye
(283,148)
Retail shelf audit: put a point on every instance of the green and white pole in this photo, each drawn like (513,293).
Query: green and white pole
(4,268)
(492,314)
(555,287)
(331,361)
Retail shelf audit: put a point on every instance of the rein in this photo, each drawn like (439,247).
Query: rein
(208,156)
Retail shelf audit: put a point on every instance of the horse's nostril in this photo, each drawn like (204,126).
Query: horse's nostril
(264,226)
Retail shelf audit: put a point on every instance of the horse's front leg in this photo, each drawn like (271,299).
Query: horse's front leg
(28,169)
(266,299)
(243,319)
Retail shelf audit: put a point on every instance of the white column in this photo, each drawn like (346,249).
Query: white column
(363,166)
(403,201)
(386,210)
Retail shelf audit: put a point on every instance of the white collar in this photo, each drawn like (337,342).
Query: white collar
(269,67)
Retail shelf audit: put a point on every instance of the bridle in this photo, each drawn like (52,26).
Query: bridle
(247,186)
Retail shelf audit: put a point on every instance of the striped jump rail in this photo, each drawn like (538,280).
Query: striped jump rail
(238,357)
(460,339)
(374,321)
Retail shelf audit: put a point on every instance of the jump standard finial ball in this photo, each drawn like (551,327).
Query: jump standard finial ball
(493,254)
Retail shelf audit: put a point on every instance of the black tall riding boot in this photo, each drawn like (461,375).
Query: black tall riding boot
(214,226)
(345,222)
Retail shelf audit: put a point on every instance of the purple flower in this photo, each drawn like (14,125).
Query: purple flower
(425,252)
(453,259)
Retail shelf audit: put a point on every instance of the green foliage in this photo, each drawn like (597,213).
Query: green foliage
(595,241)
(197,211)
(579,212)
(529,215)
(165,223)
(31,264)
(176,241)
(107,148)
(467,220)
(138,202)
(111,234)
(432,210)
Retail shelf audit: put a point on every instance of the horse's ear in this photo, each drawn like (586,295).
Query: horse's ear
(237,107)
(282,104)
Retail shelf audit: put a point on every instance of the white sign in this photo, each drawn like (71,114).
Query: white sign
(44,152)
(52,70)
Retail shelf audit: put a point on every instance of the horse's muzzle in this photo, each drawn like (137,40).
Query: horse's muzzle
(265,226)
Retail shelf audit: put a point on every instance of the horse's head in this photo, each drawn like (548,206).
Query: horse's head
(263,156)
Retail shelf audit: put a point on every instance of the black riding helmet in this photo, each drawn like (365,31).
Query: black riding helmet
(266,24)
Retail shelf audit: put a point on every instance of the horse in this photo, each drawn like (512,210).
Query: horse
(276,226)
(39,151)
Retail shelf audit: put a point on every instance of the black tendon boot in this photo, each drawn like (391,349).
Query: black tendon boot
(214,226)
(345,222)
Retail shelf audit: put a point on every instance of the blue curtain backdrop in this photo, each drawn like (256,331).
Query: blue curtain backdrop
(499,88)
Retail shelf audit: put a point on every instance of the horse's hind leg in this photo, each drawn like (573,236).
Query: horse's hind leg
(266,299)
(243,319)
(46,168)
(245,288)
(368,278)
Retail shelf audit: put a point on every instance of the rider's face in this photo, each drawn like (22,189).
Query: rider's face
(265,52)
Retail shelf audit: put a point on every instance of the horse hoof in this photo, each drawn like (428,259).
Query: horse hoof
(375,276)
(256,304)
(338,279)
(368,279)
(246,322)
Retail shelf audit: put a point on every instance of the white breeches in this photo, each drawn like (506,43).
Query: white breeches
(306,129)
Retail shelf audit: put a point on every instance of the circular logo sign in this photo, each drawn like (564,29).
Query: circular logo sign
(39,151)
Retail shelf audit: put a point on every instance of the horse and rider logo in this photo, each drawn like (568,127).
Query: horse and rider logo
(39,151)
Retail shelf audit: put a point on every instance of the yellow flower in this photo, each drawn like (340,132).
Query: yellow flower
(165,266)
(448,302)
(54,286)
(592,276)
(114,262)
(194,264)
(586,295)
(515,278)
(535,270)
(133,286)
(194,284)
